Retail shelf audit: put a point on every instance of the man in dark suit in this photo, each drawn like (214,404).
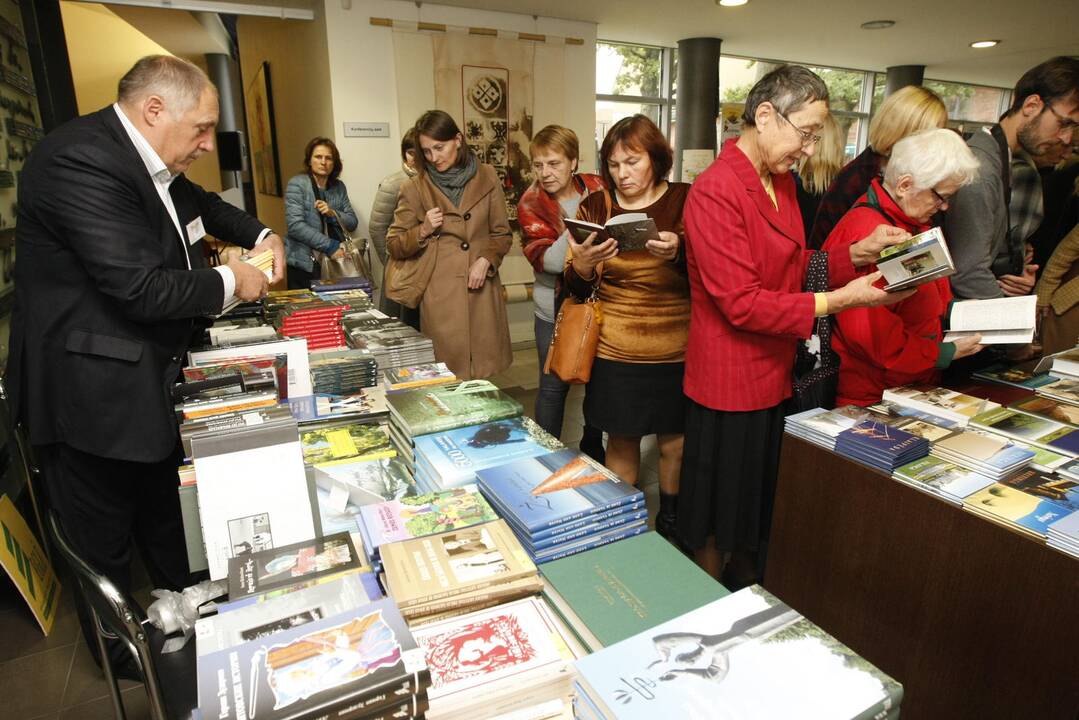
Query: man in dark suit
(110,287)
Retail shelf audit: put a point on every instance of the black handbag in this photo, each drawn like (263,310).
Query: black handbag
(816,364)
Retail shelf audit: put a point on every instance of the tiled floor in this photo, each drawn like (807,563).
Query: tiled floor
(55,678)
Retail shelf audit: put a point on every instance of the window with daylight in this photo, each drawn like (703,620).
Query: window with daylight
(633,79)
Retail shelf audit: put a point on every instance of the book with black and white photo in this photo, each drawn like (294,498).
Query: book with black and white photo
(916,261)
(1000,321)
(631,230)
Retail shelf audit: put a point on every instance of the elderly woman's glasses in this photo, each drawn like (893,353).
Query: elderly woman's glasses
(941,200)
(808,138)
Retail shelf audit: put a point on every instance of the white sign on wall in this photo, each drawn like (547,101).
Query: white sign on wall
(367,129)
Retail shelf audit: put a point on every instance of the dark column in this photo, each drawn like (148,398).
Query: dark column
(49,63)
(697,97)
(232,146)
(899,76)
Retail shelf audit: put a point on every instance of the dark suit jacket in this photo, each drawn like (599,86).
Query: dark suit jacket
(105,305)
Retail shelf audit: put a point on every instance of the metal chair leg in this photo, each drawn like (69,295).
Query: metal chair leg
(106,667)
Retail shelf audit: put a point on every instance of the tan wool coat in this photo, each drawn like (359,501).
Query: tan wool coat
(469,327)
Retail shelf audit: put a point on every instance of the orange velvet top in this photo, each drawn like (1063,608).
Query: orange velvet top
(645,299)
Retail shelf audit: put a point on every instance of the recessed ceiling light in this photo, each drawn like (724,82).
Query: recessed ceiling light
(878,24)
(731,3)
(984,43)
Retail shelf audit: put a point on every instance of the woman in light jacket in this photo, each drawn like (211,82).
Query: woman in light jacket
(456,209)
(316,209)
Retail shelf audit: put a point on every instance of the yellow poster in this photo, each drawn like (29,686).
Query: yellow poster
(27,566)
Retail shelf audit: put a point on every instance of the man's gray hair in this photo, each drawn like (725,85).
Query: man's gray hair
(180,82)
(931,157)
(788,88)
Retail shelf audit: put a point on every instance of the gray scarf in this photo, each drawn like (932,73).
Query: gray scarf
(452,182)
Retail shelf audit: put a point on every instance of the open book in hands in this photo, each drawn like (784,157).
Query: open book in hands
(1000,321)
(916,261)
(630,230)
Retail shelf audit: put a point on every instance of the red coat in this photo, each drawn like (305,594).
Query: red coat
(540,216)
(883,347)
(747,263)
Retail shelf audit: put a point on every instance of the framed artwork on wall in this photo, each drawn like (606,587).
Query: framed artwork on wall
(260,118)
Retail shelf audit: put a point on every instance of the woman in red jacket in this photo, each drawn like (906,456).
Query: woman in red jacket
(747,263)
(882,347)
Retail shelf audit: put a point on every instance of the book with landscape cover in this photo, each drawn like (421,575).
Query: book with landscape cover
(547,490)
(420,515)
(339,444)
(437,566)
(1048,408)
(1017,508)
(748,654)
(916,261)
(942,478)
(454,456)
(267,570)
(370,402)
(320,667)
(1021,376)
(1063,491)
(631,231)
(1032,429)
(445,407)
(610,593)
(403,378)
(366,481)
(939,401)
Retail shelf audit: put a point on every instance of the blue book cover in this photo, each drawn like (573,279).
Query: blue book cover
(1016,506)
(1060,490)
(1067,526)
(566,549)
(748,656)
(572,525)
(604,524)
(454,456)
(550,489)
(879,438)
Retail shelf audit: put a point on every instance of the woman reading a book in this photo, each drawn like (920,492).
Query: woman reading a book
(902,344)
(747,263)
(556,193)
(636,385)
(318,213)
(455,208)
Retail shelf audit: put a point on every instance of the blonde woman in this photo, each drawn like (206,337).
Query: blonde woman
(903,113)
(816,172)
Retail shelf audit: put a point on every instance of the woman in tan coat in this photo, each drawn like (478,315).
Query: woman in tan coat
(455,209)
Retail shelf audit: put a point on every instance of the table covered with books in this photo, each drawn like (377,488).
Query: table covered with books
(957,571)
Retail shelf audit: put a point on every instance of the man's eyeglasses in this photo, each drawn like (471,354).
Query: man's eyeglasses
(1065,122)
(808,138)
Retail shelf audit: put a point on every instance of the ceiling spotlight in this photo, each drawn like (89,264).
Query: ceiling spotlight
(731,3)
(985,43)
(878,24)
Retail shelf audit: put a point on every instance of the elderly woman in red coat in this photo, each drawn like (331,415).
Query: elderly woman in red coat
(747,263)
(882,347)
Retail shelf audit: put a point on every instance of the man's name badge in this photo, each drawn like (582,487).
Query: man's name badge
(195,231)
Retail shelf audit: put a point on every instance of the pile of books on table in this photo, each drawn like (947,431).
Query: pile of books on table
(355,462)
(881,445)
(1029,512)
(342,286)
(425,410)
(390,341)
(746,655)
(1063,534)
(418,516)
(1028,428)
(366,403)
(562,503)
(453,457)
(942,478)
(414,376)
(990,455)
(339,372)
(939,402)
(822,427)
(458,571)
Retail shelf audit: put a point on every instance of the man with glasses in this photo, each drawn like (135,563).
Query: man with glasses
(988,222)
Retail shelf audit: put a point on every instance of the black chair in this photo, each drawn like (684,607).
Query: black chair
(26,473)
(115,617)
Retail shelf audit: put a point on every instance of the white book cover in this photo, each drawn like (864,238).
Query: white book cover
(918,260)
(299,364)
(253,492)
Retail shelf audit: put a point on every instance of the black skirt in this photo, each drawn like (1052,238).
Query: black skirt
(730,461)
(636,399)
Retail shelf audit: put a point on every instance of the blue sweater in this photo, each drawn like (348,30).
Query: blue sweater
(305,223)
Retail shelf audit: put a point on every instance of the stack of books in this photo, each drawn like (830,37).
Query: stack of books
(1029,513)
(1064,365)
(202,408)
(1061,412)
(563,503)
(1063,534)
(422,411)
(279,570)
(1065,390)
(255,373)
(611,593)
(746,655)
(342,285)
(419,516)
(880,445)
(941,478)
(392,342)
(451,458)
(1020,376)
(306,664)
(366,404)
(457,572)
(1032,429)
(509,661)
(414,376)
(297,374)
(822,427)
(986,454)
(319,323)
(355,462)
(339,372)
(939,402)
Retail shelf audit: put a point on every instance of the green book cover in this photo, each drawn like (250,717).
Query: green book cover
(345,443)
(627,587)
(446,407)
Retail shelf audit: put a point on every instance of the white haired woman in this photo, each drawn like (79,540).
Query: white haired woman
(883,347)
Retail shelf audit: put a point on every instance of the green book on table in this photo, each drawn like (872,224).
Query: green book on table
(616,591)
